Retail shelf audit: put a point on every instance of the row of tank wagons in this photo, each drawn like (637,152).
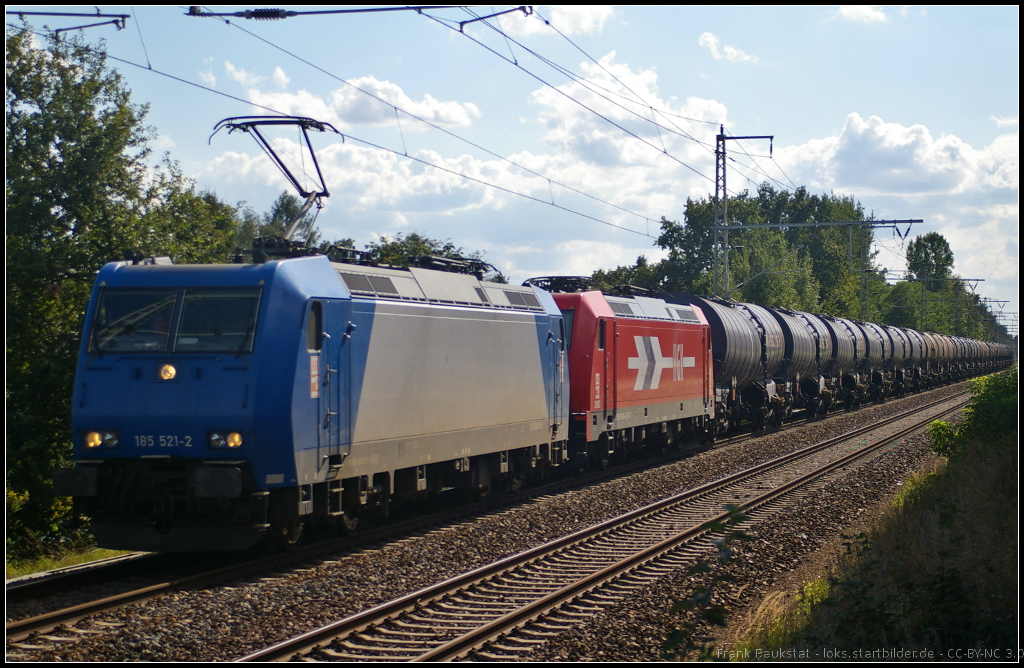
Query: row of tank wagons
(686,368)
(770,361)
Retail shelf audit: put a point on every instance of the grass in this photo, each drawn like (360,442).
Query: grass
(939,571)
(19,568)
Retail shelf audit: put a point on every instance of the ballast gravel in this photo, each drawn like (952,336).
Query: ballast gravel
(226,622)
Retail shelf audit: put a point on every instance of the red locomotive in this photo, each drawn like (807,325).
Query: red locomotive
(640,372)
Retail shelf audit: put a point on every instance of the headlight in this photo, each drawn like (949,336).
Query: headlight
(224,440)
(106,439)
(168,372)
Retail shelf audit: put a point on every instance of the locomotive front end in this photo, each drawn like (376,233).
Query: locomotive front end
(162,418)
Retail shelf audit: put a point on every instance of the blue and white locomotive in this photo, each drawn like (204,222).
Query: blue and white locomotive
(219,405)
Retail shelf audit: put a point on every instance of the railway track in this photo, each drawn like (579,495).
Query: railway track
(504,610)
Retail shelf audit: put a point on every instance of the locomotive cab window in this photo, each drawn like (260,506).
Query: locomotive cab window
(600,334)
(315,327)
(133,321)
(217,320)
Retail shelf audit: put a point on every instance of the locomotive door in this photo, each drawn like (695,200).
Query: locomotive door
(606,336)
(556,348)
(327,384)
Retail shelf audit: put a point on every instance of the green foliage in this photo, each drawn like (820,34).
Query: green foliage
(767,271)
(930,257)
(699,609)
(806,269)
(943,438)
(990,418)
(403,250)
(642,274)
(78,194)
(274,222)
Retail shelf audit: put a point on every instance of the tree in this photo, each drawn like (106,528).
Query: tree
(808,268)
(930,257)
(643,274)
(78,194)
(404,249)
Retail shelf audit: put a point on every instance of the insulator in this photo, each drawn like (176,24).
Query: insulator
(267,14)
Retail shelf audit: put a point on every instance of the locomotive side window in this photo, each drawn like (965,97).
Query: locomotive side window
(133,321)
(567,317)
(600,334)
(217,320)
(315,327)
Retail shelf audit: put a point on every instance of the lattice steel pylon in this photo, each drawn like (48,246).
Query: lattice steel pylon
(721,245)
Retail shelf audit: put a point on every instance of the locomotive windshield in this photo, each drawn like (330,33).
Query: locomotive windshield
(208,320)
(133,321)
(217,320)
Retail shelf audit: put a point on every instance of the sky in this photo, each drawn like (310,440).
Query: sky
(554,142)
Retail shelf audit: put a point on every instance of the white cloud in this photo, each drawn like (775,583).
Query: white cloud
(360,109)
(240,75)
(208,78)
(1004,121)
(969,195)
(872,156)
(865,13)
(302,103)
(711,42)
(569,20)
(347,107)
(280,78)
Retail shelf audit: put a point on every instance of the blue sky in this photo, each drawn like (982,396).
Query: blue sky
(912,110)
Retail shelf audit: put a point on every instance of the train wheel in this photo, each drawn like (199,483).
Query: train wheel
(291,535)
(347,523)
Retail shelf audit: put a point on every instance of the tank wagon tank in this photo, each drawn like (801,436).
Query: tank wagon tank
(218,405)
(878,364)
(748,349)
(807,358)
(850,345)
(640,373)
(902,359)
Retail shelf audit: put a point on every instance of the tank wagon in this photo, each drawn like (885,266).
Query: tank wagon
(218,405)
(747,345)
(640,373)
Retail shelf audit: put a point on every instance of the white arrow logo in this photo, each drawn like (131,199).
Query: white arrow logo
(649,363)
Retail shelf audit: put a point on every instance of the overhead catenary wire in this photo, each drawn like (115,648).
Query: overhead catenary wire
(442,129)
(376,146)
(591,86)
(641,100)
(574,100)
(758,168)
